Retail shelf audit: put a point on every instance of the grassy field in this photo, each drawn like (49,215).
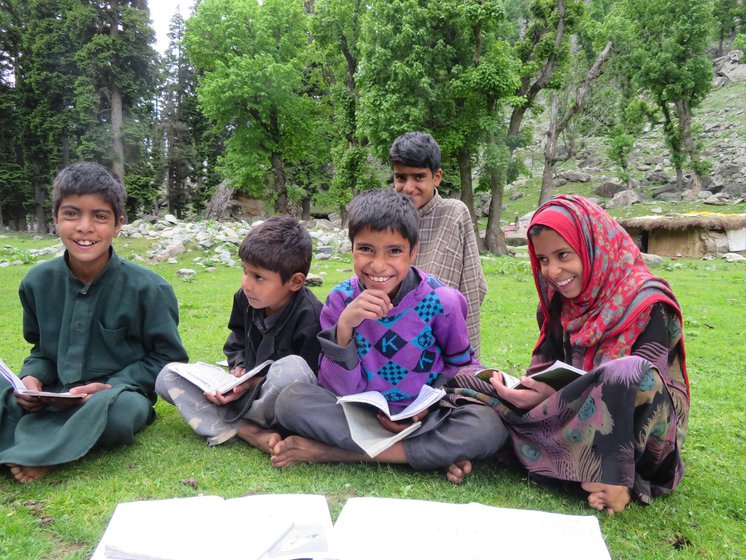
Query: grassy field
(64,515)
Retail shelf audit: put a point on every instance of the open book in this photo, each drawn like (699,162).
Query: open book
(444,530)
(556,376)
(367,431)
(269,526)
(292,526)
(20,389)
(214,379)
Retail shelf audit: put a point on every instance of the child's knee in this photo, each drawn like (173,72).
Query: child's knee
(127,415)
(290,369)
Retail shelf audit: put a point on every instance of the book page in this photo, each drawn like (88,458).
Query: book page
(426,398)
(367,431)
(423,529)
(209,527)
(20,388)
(514,532)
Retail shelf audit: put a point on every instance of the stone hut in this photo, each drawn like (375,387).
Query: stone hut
(688,235)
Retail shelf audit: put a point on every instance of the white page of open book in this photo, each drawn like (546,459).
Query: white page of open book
(208,526)
(465,531)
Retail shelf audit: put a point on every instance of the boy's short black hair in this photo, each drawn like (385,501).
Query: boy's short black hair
(86,177)
(416,149)
(279,244)
(383,210)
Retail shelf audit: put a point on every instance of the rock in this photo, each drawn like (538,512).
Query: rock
(314,280)
(623,199)
(591,161)
(171,219)
(322,256)
(610,188)
(574,176)
(653,260)
(656,210)
(657,177)
(733,257)
(516,195)
(704,194)
(325,249)
(670,196)
(186,273)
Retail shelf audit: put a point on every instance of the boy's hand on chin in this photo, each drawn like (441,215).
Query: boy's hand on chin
(370,304)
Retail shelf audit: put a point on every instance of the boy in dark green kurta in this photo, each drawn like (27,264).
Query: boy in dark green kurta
(99,325)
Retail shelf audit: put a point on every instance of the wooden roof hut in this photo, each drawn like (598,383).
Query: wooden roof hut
(688,235)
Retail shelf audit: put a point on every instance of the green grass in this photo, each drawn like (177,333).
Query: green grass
(63,515)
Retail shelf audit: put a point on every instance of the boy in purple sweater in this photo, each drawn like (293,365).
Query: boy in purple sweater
(391,328)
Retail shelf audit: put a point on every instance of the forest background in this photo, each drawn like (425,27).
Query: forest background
(297,102)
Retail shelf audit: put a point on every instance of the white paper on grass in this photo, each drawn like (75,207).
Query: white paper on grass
(464,531)
(211,527)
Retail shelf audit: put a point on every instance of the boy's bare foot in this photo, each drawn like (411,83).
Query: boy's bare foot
(259,437)
(607,497)
(457,472)
(24,474)
(297,449)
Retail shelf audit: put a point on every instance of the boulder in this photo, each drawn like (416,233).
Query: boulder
(610,188)
(572,176)
(624,199)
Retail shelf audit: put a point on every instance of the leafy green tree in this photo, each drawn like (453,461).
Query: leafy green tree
(114,92)
(436,68)
(13,176)
(336,31)
(253,82)
(664,47)
(729,18)
(179,100)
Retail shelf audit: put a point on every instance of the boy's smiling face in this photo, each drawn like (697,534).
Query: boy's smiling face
(381,259)
(418,183)
(87,225)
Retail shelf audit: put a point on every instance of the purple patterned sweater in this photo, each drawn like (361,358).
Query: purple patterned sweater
(422,338)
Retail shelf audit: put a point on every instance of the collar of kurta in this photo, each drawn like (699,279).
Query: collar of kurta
(110,267)
(431,204)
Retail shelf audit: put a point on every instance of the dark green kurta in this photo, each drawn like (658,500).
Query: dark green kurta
(120,329)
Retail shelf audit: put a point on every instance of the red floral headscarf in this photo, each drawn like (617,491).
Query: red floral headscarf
(618,290)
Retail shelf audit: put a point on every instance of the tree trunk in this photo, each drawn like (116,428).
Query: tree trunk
(463,158)
(494,239)
(557,126)
(40,195)
(305,208)
(117,120)
(685,126)
(280,183)
(550,152)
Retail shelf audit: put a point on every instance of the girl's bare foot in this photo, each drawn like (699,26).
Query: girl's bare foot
(259,437)
(457,472)
(607,497)
(24,474)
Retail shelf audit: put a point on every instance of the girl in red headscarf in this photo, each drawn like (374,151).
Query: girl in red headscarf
(618,429)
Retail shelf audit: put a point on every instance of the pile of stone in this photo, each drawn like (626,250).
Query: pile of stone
(217,242)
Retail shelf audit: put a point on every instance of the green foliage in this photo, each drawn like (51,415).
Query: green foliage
(740,43)
(254,85)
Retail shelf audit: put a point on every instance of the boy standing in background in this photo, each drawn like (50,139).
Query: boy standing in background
(448,245)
